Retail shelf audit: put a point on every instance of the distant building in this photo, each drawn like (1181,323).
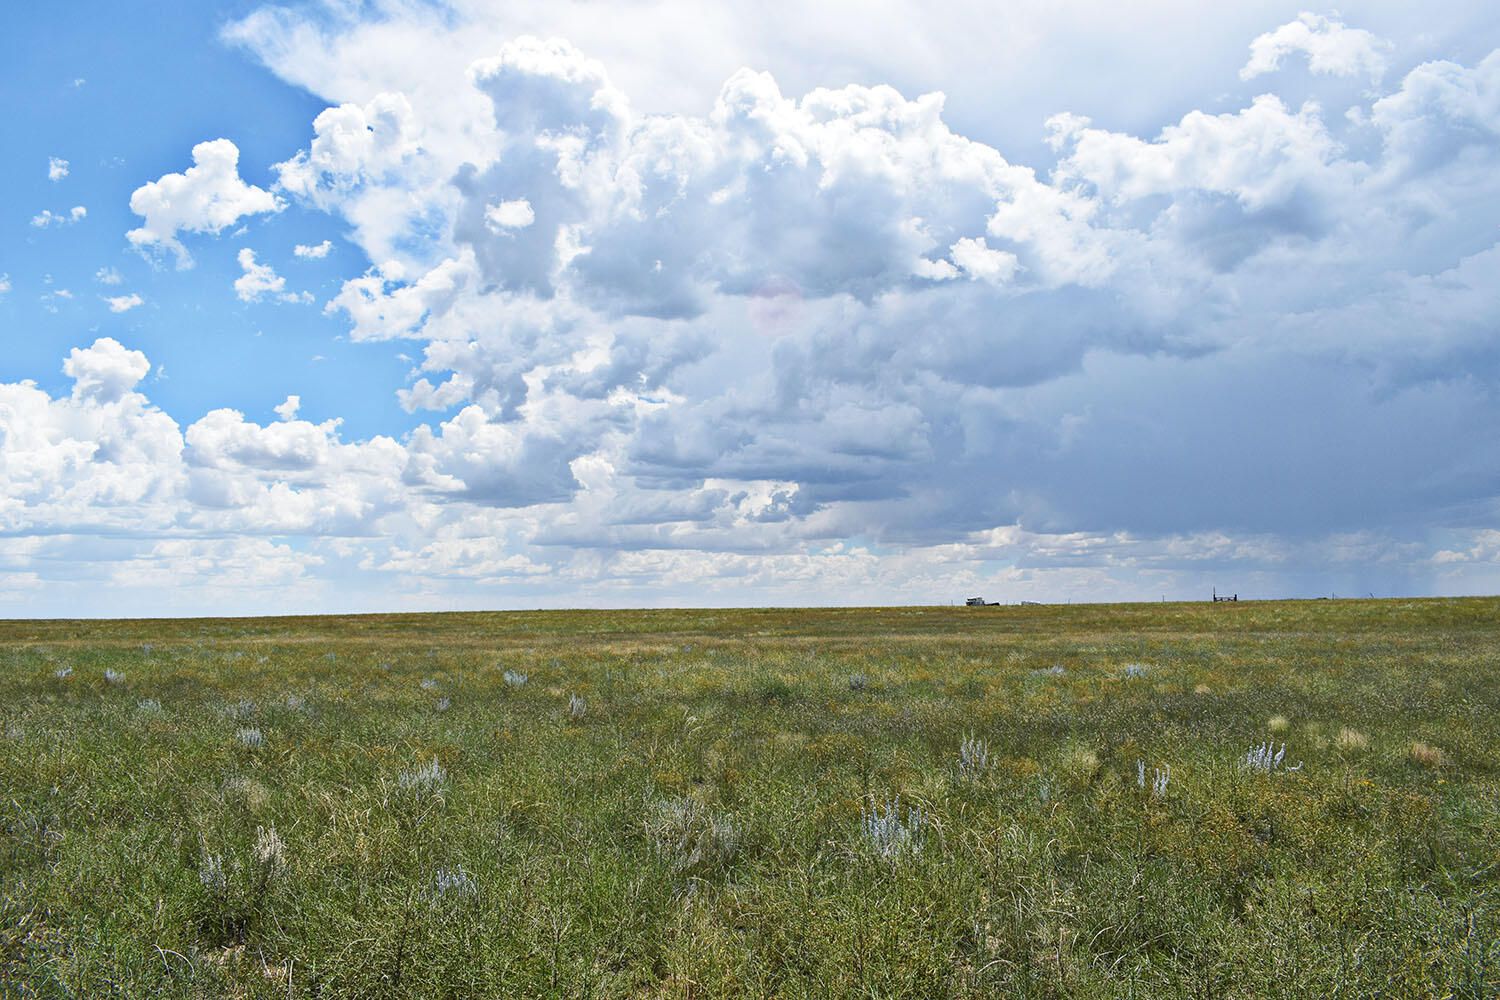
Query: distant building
(975,602)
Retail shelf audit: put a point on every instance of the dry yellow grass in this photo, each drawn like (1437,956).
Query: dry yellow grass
(1352,740)
(1428,756)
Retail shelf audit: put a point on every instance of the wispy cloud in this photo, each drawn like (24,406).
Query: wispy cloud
(76,214)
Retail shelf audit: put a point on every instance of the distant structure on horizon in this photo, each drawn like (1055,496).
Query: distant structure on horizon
(979,602)
(1217,598)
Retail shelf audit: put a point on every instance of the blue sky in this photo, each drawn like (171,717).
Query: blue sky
(400,305)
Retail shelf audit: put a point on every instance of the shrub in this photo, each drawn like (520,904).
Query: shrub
(247,793)
(238,889)
(1080,766)
(695,840)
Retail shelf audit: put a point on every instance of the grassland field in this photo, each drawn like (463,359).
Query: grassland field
(901,802)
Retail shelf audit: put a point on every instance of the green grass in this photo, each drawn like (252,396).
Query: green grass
(698,833)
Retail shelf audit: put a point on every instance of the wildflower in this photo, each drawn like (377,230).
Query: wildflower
(444,703)
(1158,781)
(515,678)
(576,707)
(148,706)
(1134,670)
(884,831)
(250,737)
(270,853)
(1266,759)
(423,781)
(858,682)
(241,710)
(428,684)
(973,757)
(1056,670)
(454,883)
(213,875)
(113,676)
(63,671)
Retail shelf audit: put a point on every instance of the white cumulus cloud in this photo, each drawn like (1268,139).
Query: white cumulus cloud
(105,371)
(802,340)
(262,279)
(123,303)
(57,168)
(205,198)
(313,252)
(510,215)
(1331,48)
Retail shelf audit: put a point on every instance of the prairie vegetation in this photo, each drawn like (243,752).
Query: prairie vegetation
(1080,801)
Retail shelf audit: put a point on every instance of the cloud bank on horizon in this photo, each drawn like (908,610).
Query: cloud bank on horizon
(801,348)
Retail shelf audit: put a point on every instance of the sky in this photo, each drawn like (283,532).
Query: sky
(401,305)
